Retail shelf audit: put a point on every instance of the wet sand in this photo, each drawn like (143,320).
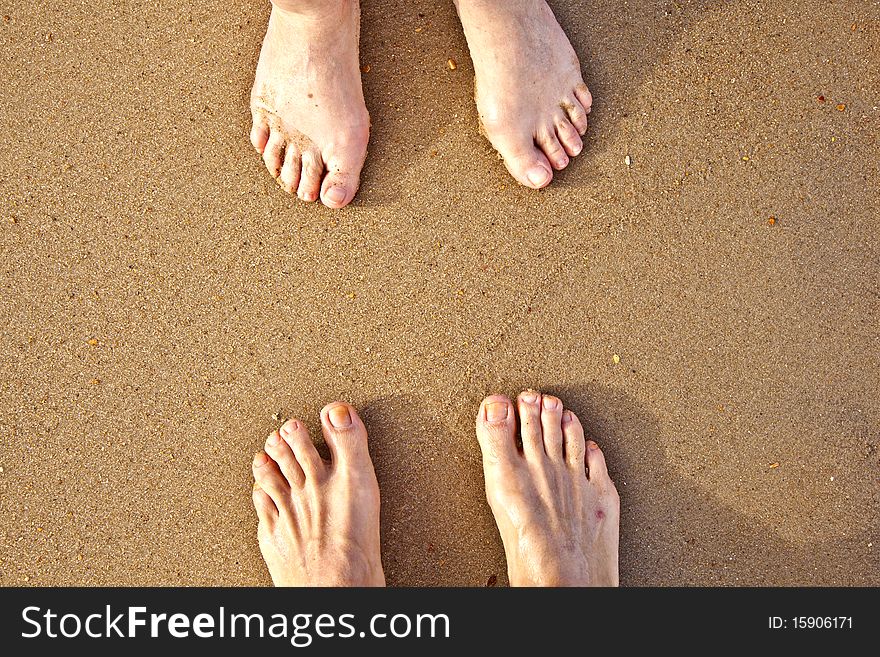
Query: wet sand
(162,299)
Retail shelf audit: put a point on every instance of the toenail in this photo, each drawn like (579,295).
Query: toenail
(529,397)
(538,176)
(288,427)
(550,403)
(260,459)
(274,439)
(339,416)
(577,150)
(566,417)
(496,411)
(592,445)
(335,194)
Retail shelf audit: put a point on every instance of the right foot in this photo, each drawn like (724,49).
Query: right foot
(319,521)
(557,509)
(310,122)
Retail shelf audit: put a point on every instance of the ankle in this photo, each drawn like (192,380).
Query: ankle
(313,9)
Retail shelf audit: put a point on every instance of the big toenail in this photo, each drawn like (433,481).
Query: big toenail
(496,411)
(550,403)
(339,416)
(530,397)
(335,194)
(260,459)
(538,176)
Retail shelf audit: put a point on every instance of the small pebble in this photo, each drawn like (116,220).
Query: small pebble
(451,65)
(615,358)
(628,161)
(841,107)
(772,221)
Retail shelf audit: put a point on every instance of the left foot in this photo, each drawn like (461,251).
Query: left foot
(319,521)
(531,97)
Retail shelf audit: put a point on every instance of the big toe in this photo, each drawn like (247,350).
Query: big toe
(345,434)
(523,159)
(496,429)
(342,178)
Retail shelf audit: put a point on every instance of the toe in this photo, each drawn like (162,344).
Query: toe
(269,477)
(523,159)
(290,170)
(568,136)
(310,179)
(576,114)
(529,404)
(554,151)
(496,429)
(307,457)
(551,427)
(273,154)
(345,434)
(343,177)
(585,98)
(597,471)
(573,441)
(259,134)
(267,512)
(283,455)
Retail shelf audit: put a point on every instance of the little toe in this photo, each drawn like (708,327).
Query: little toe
(310,178)
(551,427)
(549,143)
(568,136)
(529,406)
(496,429)
(585,98)
(345,434)
(573,441)
(267,512)
(283,455)
(270,479)
(273,154)
(597,470)
(307,457)
(259,134)
(291,169)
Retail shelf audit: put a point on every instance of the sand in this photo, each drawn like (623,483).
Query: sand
(162,299)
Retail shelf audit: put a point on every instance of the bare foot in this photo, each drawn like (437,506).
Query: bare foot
(531,97)
(309,118)
(556,507)
(319,521)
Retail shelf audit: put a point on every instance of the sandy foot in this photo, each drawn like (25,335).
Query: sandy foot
(309,118)
(531,97)
(557,509)
(319,521)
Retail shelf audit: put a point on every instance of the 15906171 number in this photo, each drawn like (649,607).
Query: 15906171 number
(811,623)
